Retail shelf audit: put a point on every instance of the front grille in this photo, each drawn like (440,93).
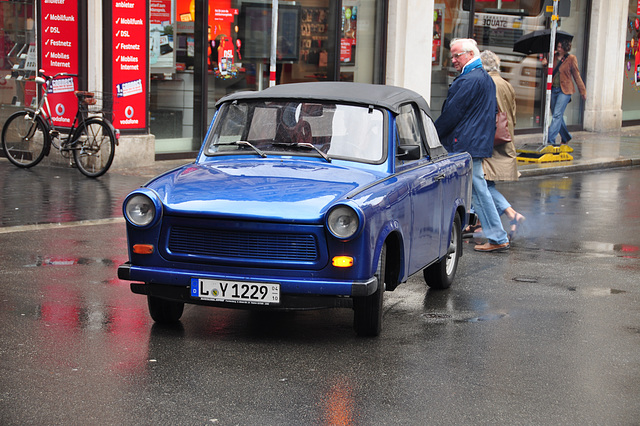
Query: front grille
(242,245)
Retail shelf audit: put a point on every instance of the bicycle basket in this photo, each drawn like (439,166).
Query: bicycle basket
(95,102)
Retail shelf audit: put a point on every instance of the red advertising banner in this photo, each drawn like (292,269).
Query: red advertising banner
(59,23)
(129,69)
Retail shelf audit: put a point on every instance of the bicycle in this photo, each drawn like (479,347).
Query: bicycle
(27,135)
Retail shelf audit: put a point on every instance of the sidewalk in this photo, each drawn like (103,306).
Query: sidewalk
(592,151)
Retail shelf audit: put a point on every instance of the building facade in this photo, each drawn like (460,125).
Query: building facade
(161,65)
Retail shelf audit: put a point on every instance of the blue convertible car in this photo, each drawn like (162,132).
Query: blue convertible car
(303,196)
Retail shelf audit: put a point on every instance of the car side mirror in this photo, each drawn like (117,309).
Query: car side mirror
(408,152)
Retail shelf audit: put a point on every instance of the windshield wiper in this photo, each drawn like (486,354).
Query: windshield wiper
(303,145)
(243,143)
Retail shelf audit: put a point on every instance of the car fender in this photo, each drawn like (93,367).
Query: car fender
(391,233)
(387,207)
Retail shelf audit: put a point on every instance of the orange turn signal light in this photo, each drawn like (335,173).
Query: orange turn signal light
(342,261)
(143,248)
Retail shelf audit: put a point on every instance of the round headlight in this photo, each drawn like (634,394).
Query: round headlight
(343,222)
(140,210)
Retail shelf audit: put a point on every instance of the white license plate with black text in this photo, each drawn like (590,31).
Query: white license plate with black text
(235,291)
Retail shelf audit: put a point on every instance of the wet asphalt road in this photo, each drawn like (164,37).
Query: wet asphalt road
(548,333)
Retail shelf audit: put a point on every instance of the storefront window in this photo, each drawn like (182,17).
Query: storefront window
(239,46)
(18,55)
(497,26)
(358,41)
(631,87)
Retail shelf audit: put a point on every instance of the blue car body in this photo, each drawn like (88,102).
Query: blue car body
(250,212)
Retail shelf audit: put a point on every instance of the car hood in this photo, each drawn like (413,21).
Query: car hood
(262,188)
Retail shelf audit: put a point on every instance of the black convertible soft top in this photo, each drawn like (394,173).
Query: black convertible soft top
(389,97)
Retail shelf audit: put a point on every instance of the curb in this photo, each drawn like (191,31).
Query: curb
(571,168)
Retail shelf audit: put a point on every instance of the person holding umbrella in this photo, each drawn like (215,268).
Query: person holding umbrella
(564,70)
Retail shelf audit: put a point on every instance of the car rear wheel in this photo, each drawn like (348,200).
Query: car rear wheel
(367,319)
(440,275)
(164,311)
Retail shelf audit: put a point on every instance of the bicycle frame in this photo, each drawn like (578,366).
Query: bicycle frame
(44,110)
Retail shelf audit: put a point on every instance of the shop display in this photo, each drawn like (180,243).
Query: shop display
(313,36)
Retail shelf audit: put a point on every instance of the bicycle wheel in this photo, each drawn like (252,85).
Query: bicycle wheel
(24,139)
(95,146)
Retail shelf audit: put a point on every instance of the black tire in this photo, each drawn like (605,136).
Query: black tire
(25,141)
(440,275)
(367,310)
(95,147)
(164,311)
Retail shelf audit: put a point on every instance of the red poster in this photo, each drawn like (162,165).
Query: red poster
(221,15)
(346,46)
(224,15)
(159,11)
(60,54)
(349,30)
(130,35)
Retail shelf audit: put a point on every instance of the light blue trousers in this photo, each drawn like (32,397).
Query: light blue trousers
(485,208)
(559,102)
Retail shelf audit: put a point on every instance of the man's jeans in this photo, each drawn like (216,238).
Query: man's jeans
(485,208)
(559,102)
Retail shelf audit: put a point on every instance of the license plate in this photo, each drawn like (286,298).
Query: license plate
(235,291)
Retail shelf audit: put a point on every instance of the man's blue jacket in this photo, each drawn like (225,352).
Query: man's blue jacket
(468,119)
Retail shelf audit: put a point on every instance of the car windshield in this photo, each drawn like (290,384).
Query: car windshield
(329,130)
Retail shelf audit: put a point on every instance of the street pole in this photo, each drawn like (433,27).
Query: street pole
(274,42)
(472,18)
(552,46)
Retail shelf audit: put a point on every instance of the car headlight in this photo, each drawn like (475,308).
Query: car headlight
(140,210)
(343,222)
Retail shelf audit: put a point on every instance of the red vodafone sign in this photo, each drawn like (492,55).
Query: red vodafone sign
(129,63)
(226,15)
(59,29)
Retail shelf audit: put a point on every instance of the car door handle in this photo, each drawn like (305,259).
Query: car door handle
(439,177)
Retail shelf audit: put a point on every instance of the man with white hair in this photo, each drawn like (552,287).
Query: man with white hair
(468,123)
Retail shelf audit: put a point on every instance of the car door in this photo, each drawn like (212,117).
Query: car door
(423,177)
(452,174)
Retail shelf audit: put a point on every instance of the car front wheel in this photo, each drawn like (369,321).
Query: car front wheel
(440,275)
(164,311)
(367,319)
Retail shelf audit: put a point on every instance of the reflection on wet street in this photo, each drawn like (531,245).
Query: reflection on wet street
(547,333)
(582,213)
(46,194)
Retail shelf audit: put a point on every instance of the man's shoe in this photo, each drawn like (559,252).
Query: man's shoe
(487,247)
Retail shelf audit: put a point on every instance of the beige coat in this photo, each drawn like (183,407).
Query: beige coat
(503,165)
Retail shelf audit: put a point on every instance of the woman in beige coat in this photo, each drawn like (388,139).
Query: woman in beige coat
(503,165)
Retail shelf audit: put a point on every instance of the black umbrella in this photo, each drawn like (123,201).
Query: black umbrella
(538,41)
